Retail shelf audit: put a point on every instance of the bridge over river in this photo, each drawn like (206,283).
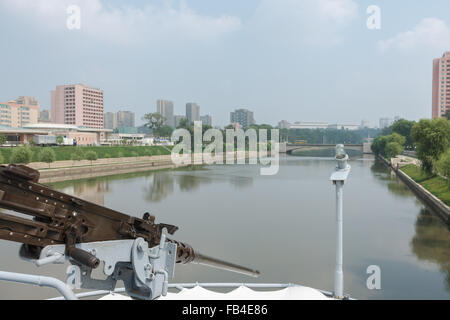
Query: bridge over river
(290,148)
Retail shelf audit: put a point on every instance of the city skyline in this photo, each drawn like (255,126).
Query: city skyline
(231,55)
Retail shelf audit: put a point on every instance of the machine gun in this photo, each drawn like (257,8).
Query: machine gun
(64,227)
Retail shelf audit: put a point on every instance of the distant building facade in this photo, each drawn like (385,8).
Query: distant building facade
(77,104)
(242,116)
(283,124)
(206,120)
(441,86)
(386,122)
(120,119)
(19,112)
(192,112)
(309,125)
(165,108)
(44,116)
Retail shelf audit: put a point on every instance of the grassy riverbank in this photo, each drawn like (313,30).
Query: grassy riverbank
(437,185)
(65,152)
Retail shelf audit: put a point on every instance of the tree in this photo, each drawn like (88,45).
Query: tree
(393,149)
(78,154)
(395,137)
(379,145)
(47,155)
(184,124)
(443,164)
(164,131)
(91,155)
(21,155)
(154,121)
(432,138)
(59,139)
(404,128)
(2,139)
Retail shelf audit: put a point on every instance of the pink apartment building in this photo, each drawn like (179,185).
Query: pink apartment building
(441,86)
(78,105)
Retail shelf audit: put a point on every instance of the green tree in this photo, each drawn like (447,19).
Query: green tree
(2,139)
(59,139)
(443,164)
(184,124)
(154,121)
(395,137)
(78,154)
(47,155)
(393,149)
(91,155)
(432,139)
(164,131)
(379,145)
(404,128)
(22,155)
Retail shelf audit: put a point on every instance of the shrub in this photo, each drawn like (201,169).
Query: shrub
(21,155)
(78,154)
(134,154)
(91,155)
(443,164)
(47,155)
(59,139)
(107,156)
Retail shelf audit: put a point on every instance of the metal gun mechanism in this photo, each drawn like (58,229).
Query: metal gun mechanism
(144,271)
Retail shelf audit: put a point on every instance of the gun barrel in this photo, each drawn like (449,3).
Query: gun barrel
(223,265)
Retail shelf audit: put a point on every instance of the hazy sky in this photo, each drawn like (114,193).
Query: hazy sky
(299,60)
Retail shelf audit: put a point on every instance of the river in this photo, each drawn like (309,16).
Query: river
(283,225)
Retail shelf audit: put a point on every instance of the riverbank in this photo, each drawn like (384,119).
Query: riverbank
(73,170)
(423,187)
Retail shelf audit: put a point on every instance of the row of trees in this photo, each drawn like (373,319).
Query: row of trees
(429,138)
(24,155)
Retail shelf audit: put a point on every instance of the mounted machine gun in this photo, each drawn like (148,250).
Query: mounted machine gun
(64,227)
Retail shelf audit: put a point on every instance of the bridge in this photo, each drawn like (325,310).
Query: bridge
(289,148)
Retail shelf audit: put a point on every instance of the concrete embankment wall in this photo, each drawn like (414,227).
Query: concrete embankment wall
(72,170)
(430,200)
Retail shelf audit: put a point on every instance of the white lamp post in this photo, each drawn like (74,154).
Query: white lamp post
(338,177)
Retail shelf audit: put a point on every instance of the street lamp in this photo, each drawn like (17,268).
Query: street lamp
(338,177)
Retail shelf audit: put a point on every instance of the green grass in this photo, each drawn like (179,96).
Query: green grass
(438,186)
(65,152)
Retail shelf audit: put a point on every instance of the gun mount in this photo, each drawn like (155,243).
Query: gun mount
(63,227)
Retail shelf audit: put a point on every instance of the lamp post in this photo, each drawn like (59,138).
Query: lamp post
(338,178)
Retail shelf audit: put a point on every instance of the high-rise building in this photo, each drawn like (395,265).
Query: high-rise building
(19,112)
(441,86)
(177,120)
(283,124)
(242,116)
(206,120)
(77,104)
(165,108)
(386,122)
(44,116)
(110,120)
(120,119)
(192,112)
(125,119)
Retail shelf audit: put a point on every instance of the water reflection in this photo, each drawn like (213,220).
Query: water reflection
(432,242)
(160,184)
